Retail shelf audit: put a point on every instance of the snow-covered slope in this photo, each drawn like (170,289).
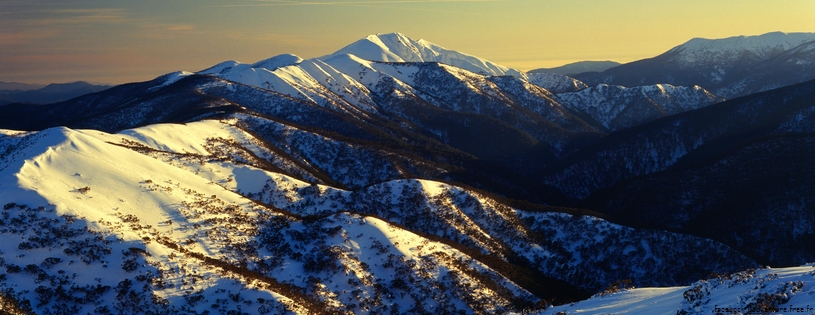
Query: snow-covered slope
(344,185)
(618,107)
(311,80)
(182,217)
(729,67)
(157,212)
(702,51)
(556,83)
(396,47)
(762,291)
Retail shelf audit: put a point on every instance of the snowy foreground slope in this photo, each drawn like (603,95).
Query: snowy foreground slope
(180,219)
(90,226)
(763,291)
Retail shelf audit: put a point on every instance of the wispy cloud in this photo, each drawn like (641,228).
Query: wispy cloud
(28,24)
(24,24)
(379,4)
(371,2)
(66,16)
(147,28)
(25,36)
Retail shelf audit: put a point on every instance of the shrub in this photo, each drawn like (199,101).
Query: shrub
(616,286)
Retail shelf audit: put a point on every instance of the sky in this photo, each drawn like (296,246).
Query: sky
(118,41)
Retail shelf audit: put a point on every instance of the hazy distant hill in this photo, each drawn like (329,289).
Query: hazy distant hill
(51,93)
(11,86)
(385,184)
(579,67)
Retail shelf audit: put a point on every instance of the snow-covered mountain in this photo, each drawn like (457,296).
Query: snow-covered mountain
(659,145)
(166,221)
(730,67)
(189,218)
(396,47)
(359,183)
(618,107)
(556,83)
(703,52)
(753,291)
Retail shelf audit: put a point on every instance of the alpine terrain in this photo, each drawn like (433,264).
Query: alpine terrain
(395,176)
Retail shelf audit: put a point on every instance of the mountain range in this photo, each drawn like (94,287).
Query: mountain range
(395,176)
(729,67)
(51,93)
(578,67)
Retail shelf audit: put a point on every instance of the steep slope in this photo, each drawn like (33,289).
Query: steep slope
(730,67)
(483,226)
(618,107)
(584,250)
(176,242)
(762,291)
(396,47)
(659,145)
(713,197)
(484,131)
(121,107)
(185,216)
(555,83)
(310,80)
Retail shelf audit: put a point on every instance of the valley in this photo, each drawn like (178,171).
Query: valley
(396,176)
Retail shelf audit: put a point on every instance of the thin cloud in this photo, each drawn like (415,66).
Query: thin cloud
(160,30)
(24,37)
(267,3)
(378,4)
(66,17)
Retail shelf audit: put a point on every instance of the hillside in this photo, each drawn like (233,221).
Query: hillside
(729,67)
(758,291)
(397,176)
(578,67)
(185,216)
(51,93)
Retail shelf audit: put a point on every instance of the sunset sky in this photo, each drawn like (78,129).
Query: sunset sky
(124,41)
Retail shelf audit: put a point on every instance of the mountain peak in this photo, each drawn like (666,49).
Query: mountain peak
(765,45)
(397,47)
(278,61)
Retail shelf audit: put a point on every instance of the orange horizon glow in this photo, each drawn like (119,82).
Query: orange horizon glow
(118,42)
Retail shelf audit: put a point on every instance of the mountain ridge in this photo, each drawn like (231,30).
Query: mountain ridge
(350,185)
(50,93)
(578,67)
(730,67)
(396,47)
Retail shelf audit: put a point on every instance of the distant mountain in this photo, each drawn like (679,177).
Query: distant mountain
(11,86)
(396,47)
(618,107)
(578,67)
(556,83)
(737,172)
(506,126)
(51,93)
(383,184)
(729,67)
(660,144)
